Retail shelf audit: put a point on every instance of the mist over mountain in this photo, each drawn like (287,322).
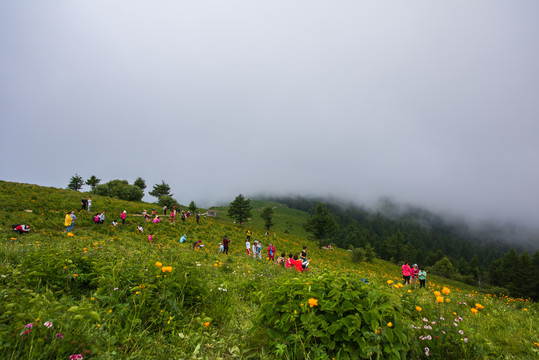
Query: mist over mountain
(502,234)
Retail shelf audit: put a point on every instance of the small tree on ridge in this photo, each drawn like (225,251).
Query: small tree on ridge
(76,183)
(240,209)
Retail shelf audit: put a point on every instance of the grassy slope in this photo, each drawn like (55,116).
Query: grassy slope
(287,220)
(105,258)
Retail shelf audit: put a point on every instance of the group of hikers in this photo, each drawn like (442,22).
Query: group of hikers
(99,218)
(411,274)
(300,262)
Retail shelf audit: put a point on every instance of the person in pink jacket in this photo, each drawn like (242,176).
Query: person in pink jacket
(271,252)
(406,273)
(123,215)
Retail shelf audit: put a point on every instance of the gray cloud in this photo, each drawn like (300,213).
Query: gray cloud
(431,104)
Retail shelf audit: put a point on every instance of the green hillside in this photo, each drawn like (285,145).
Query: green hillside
(287,220)
(109,292)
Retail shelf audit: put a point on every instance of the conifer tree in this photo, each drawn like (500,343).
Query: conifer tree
(93,181)
(140,183)
(193,207)
(321,224)
(267,215)
(159,190)
(240,209)
(76,183)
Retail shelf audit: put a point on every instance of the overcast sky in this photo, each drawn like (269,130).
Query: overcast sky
(430,103)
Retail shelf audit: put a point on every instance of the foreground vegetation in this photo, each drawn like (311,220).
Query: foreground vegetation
(107,292)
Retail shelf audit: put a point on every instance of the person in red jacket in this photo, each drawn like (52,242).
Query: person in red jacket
(298,264)
(406,273)
(290,261)
(22,229)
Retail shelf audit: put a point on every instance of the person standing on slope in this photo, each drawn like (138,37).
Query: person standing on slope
(406,273)
(225,244)
(422,276)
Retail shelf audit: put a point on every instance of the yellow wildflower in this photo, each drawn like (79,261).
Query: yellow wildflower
(313,302)
(418,308)
(446,290)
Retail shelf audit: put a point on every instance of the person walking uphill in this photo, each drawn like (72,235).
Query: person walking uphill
(406,273)
(123,216)
(84,202)
(225,245)
(89,203)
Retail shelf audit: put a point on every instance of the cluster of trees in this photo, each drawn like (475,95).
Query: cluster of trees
(426,239)
(121,189)
(240,211)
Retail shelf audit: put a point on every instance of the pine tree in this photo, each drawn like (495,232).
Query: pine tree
(524,287)
(534,276)
(193,207)
(395,245)
(495,272)
(369,253)
(76,183)
(267,215)
(509,274)
(140,183)
(160,190)
(443,267)
(240,209)
(321,224)
(477,272)
(93,181)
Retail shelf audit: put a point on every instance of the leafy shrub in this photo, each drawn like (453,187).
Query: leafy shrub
(357,255)
(167,201)
(119,189)
(332,316)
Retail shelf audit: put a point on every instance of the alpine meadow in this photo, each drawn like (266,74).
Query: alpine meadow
(104,291)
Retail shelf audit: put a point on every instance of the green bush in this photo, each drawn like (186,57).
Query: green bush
(119,189)
(332,315)
(168,201)
(357,255)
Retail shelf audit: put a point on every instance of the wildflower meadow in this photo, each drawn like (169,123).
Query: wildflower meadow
(111,292)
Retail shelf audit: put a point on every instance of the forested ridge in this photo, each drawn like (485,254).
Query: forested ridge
(447,247)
